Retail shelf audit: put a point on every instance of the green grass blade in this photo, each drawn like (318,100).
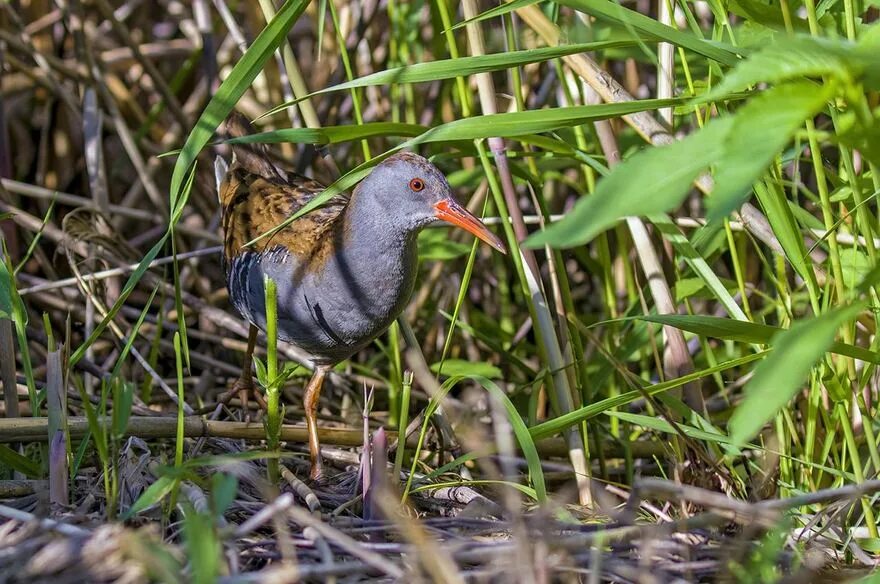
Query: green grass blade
(331,134)
(452,68)
(781,375)
(560,423)
(230,91)
(664,178)
(17,462)
(747,332)
(152,496)
(614,12)
(525,439)
(795,58)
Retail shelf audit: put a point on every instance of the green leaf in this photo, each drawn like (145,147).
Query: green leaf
(775,204)
(746,332)
(795,58)
(123,398)
(765,13)
(495,12)
(331,134)
(463,368)
(646,25)
(227,95)
(460,67)
(17,462)
(662,425)
(855,266)
(779,377)
(152,496)
(202,546)
(740,147)
(560,423)
(224,487)
(521,431)
(760,130)
(664,175)
(7,285)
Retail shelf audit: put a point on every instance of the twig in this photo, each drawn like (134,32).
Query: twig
(301,489)
(345,542)
(117,271)
(265,515)
(62,528)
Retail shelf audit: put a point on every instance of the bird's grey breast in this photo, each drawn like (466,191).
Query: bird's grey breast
(331,312)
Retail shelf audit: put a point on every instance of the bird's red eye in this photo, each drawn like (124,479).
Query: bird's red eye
(417,185)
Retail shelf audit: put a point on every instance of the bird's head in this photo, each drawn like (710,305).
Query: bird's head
(411,189)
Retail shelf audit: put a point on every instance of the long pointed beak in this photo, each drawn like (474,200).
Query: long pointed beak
(449,210)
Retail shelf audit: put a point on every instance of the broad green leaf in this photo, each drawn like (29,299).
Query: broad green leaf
(746,332)
(779,377)
(765,13)
(460,67)
(761,129)
(613,11)
(153,495)
(795,58)
(464,368)
(653,181)
(855,266)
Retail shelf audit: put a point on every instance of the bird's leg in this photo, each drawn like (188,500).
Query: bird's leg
(310,401)
(244,385)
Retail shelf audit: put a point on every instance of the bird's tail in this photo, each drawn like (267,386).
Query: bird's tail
(252,157)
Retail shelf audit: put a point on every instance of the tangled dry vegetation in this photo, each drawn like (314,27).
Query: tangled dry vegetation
(506,474)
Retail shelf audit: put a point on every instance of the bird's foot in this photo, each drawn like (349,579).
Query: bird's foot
(244,389)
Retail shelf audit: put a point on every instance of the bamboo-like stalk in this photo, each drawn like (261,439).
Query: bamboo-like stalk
(543,319)
(36,430)
(666,61)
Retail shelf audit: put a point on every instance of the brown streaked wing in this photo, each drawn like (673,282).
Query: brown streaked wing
(254,204)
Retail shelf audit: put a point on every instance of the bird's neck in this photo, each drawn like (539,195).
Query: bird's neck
(371,229)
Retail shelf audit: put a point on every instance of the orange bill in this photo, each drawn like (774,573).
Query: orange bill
(449,210)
